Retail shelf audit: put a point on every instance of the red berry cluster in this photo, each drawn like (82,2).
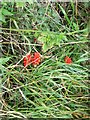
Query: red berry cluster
(68,60)
(34,59)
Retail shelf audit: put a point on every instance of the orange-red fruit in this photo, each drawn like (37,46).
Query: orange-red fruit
(36,59)
(27,60)
(68,60)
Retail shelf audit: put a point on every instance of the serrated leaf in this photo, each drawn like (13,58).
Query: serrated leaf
(41,39)
(51,40)
(59,38)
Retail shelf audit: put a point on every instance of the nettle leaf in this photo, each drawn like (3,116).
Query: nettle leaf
(4,60)
(58,39)
(42,39)
(51,40)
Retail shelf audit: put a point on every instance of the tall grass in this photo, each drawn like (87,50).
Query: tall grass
(53,89)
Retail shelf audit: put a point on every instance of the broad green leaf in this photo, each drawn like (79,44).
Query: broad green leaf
(41,39)
(51,40)
(59,38)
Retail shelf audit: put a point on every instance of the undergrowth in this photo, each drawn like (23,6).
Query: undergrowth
(53,89)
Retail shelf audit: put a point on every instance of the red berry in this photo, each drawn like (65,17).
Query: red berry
(27,60)
(68,60)
(36,59)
